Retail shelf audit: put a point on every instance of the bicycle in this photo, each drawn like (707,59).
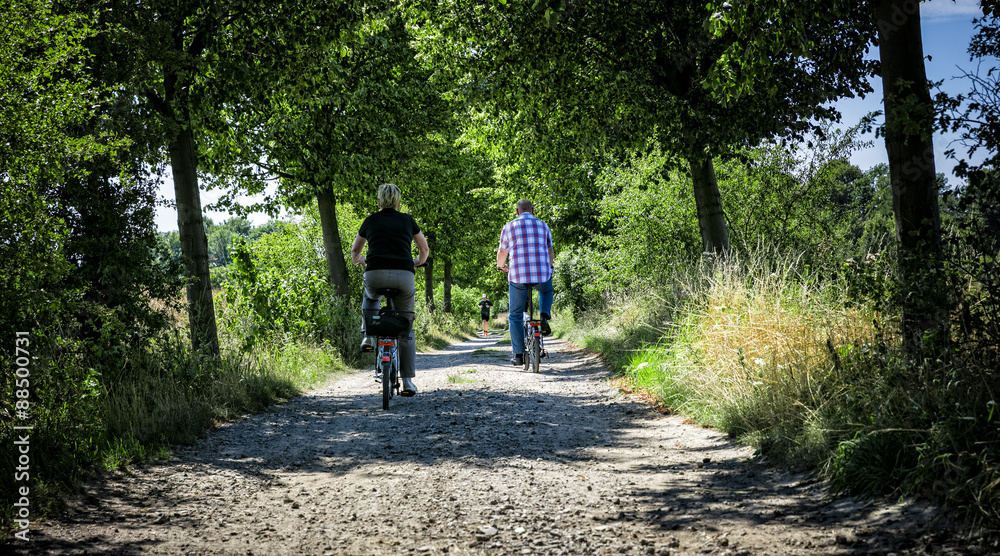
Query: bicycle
(533,350)
(387,327)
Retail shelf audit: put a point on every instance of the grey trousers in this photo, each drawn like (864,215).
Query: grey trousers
(401,280)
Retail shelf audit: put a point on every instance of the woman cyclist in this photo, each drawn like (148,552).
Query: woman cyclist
(389,264)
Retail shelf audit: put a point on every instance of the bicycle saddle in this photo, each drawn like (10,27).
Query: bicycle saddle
(388,292)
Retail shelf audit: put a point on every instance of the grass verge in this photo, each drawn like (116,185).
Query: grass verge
(161,397)
(793,365)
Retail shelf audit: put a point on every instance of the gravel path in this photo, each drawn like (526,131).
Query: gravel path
(486,459)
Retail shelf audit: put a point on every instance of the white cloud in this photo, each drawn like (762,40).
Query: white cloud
(936,10)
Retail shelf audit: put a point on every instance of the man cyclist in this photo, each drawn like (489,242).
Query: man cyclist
(389,264)
(528,242)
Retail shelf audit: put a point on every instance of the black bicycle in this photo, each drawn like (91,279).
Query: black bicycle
(533,348)
(387,327)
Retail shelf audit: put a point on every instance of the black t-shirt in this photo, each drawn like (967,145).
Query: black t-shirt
(484,308)
(389,234)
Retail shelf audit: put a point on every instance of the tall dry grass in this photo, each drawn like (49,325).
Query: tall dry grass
(756,348)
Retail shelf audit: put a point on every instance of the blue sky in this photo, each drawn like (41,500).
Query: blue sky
(947,28)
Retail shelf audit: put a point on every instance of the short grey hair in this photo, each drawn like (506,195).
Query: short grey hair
(389,196)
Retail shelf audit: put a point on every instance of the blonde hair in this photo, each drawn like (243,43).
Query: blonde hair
(389,196)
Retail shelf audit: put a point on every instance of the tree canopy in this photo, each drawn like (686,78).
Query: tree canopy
(567,81)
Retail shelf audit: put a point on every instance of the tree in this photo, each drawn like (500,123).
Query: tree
(909,125)
(43,63)
(984,115)
(346,113)
(450,192)
(976,115)
(599,74)
(221,236)
(171,46)
(894,26)
(796,196)
(975,211)
(194,62)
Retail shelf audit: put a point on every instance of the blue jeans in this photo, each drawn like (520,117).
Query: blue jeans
(518,294)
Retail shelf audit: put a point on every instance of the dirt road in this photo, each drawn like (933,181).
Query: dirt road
(486,459)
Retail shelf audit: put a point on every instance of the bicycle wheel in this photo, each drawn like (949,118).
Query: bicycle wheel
(527,348)
(386,383)
(536,354)
(395,376)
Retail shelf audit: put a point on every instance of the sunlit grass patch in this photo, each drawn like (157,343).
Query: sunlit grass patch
(460,378)
(499,323)
(617,331)
(757,350)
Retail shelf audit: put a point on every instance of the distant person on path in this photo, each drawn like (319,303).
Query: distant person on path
(528,242)
(484,311)
(390,264)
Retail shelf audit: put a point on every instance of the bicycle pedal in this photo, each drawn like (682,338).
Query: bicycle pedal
(367,349)
(543,355)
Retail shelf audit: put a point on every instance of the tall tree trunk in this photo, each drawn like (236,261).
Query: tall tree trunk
(711,219)
(429,285)
(336,265)
(194,244)
(447,286)
(909,121)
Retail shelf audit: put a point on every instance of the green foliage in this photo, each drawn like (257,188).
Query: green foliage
(354,107)
(179,396)
(278,287)
(621,324)
(464,302)
(79,272)
(451,193)
(580,279)
(645,229)
(437,330)
(975,116)
(88,415)
(92,301)
(648,218)
(28,260)
(45,90)
(803,197)
(42,64)
(66,389)
(469,107)
(810,370)
(220,242)
(560,91)
(221,237)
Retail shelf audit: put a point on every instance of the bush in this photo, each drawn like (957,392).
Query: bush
(650,223)
(579,279)
(464,302)
(278,288)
